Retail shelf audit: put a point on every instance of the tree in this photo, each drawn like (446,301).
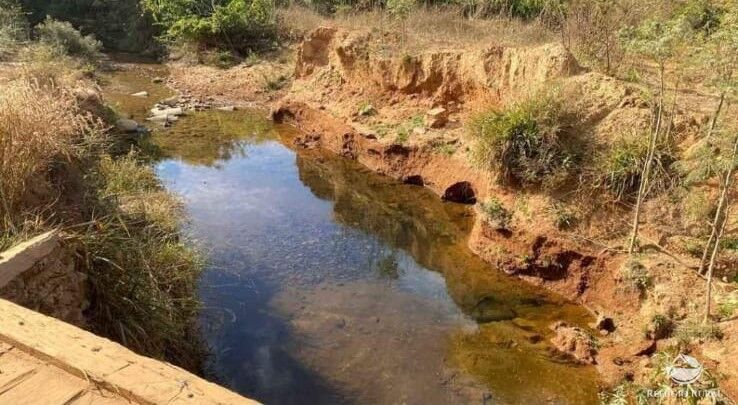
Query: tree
(659,41)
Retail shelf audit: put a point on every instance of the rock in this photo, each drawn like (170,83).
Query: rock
(436,118)
(141,94)
(163,119)
(170,102)
(126,125)
(575,342)
(157,80)
(490,309)
(227,108)
(174,111)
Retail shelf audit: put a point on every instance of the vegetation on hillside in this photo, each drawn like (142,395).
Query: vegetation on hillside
(59,169)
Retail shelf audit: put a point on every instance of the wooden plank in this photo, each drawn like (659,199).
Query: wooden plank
(14,369)
(49,386)
(23,256)
(99,397)
(106,363)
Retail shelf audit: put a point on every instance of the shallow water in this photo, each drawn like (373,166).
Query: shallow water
(330,284)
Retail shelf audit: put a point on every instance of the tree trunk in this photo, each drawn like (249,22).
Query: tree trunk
(715,249)
(647,169)
(715,115)
(719,210)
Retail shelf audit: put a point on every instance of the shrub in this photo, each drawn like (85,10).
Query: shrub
(563,218)
(523,143)
(38,127)
(63,36)
(13,28)
(400,8)
(620,166)
(636,276)
(238,25)
(660,327)
(494,211)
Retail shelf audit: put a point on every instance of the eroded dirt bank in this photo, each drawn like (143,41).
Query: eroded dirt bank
(403,117)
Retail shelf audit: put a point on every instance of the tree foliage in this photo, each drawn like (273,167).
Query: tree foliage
(239,25)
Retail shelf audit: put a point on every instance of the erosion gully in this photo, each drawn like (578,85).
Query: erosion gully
(327,283)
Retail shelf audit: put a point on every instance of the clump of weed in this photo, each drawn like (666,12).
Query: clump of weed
(274,83)
(564,218)
(660,327)
(636,276)
(728,306)
(524,143)
(694,330)
(405,128)
(619,168)
(496,213)
(366,109)
(143,275)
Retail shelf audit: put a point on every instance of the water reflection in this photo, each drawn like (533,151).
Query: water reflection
(329,284)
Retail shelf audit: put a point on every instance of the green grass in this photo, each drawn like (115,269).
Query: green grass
(143,274)
(496,212)
(524,143)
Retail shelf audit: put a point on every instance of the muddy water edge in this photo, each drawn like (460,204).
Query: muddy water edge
(327,283)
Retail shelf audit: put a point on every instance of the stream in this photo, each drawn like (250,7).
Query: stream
(329,284)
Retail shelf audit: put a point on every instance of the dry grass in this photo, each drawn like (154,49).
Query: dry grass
(424,29)
(38,127)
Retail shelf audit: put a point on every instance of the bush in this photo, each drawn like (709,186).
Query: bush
(241,26)
(13,28)
(620,167)
(63,36)
(691,330)
(495,212)
(524,143)
(38,127)
(636,276)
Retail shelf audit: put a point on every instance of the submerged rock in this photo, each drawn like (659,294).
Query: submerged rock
(489,309)
(127,125)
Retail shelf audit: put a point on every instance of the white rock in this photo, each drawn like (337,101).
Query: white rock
(141,94)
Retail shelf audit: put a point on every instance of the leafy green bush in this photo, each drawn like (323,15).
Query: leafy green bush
(524,142)
(239,25)
(63,36)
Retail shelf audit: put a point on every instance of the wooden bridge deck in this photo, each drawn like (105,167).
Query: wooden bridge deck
(46,361)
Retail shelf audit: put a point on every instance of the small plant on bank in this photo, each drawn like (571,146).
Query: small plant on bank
(620,167)
(524,143)
(728,306)
(496,213)
(274,83)
(660,327)
(636,276)
(564,218)
(693,330)
(366,109)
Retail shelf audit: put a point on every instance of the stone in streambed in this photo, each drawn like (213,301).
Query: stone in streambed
(141,94)
(127,125)
(489,309)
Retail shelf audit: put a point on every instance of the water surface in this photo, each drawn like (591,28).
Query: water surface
(330,284)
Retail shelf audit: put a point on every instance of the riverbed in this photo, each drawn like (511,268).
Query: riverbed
(327,283)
